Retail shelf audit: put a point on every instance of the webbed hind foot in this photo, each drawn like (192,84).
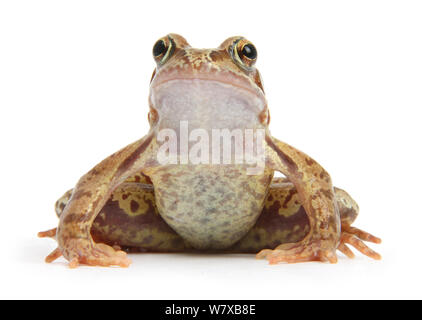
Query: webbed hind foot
(298,252)
(356,237)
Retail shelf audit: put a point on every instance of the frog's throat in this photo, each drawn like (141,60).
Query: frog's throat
(206,104)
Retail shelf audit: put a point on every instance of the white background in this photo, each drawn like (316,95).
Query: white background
(344,84)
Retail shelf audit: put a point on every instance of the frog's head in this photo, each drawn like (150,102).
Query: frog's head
(210,88)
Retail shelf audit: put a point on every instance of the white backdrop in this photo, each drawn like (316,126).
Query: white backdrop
(343,82)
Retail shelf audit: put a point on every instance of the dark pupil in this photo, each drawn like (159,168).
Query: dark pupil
(159,48)
(249,51)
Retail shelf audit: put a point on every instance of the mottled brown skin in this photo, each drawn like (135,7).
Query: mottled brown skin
(130,220)
(206,207)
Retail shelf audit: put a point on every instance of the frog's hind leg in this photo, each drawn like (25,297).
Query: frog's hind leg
(56,253)
(130,219)
(138,179)
(58,208)
(62,202)
(284,222)
(351,235)
(52,233)
(140,183)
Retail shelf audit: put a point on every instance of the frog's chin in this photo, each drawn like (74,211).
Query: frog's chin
(206,104)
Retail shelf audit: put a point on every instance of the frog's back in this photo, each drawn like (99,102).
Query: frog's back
(211,207)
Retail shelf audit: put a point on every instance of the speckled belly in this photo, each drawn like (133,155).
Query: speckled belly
(211,207)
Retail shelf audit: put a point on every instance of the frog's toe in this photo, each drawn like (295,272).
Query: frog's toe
(363,235)
(292,253)
(97,255)
(356,240)
(48,234)
(356,237)
(108,256)
(343,248)
(57,253)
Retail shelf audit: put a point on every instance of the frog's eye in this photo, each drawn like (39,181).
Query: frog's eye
(159,48)
(249,52)
(163,49)
(244,53)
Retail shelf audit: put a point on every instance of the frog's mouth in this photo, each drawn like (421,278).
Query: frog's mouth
(206,104)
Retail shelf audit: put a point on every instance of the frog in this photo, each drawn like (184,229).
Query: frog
(152,196)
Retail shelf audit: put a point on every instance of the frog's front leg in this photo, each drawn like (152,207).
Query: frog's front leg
(89,196)
(317,197)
